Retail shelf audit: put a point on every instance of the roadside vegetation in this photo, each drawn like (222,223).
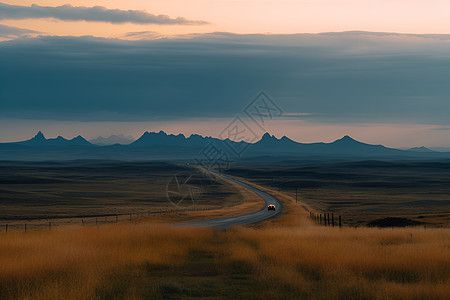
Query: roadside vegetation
(268,261)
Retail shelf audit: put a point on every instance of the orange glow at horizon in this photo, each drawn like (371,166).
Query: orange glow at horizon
(391,135)
(255,16)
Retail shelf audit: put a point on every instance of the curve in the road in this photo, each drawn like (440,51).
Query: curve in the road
(255,217)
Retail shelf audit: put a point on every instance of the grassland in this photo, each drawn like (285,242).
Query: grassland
(151,261)
(286,257)
(93,191)
(362,191)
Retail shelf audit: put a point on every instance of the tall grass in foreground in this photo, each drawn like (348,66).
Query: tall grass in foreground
(148,261)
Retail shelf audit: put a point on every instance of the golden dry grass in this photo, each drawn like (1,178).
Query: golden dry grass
(318,263)
(88,263)
(150,261)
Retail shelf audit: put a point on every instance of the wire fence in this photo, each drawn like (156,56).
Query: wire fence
(60,223)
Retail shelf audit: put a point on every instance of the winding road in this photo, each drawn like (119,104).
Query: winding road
(255,217)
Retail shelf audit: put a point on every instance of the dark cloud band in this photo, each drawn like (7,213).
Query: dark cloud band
(333,78)
(95,14)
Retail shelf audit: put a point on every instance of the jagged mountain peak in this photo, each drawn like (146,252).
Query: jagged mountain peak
(347,139)
(162,133)
(79,138)
(160,138)
(268,137)
(39,136)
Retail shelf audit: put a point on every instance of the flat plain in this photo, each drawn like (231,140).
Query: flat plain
(91,191)
(362,191)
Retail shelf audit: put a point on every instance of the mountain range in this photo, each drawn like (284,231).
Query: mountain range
(159,145)
(39,140)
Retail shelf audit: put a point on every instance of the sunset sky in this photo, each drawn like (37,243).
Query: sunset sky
(378,70)
(254,16)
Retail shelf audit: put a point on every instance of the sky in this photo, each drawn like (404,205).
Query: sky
(376,70)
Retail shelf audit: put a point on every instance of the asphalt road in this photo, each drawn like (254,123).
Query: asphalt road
(250,218)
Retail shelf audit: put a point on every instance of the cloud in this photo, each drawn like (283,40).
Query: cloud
(333,78)
(94,14)
(137,35)
(9,32)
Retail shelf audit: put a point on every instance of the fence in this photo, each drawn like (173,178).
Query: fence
(325,219)
(54,224)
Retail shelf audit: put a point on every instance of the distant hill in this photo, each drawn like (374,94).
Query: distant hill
(112,140)
(440,149)
(420,149)
(161,146)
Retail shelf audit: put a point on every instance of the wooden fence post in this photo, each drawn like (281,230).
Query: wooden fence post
(320,219)
(332,219)
(25,227)
(328,217)
(340,222)
(325,219)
